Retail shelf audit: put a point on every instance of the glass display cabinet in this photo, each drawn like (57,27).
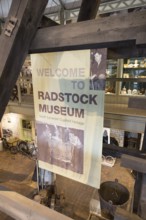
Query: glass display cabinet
(134,70)
(126,76)
(111,74)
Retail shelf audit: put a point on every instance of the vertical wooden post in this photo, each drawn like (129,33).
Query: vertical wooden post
(19,30)
(88,10)
(139,165)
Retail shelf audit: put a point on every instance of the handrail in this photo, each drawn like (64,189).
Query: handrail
(21,208)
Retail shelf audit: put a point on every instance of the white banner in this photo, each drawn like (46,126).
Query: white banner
(69,108)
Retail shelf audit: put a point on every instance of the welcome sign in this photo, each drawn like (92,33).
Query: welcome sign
(69,108)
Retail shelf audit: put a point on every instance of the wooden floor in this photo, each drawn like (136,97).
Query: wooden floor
(78,196)
(16,174)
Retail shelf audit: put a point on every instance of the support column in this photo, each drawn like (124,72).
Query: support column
(19,30)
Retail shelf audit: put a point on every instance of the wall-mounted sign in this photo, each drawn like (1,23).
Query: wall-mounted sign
(69,107)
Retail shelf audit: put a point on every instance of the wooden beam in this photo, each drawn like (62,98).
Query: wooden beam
(142,203)
(122,214)
(47,22)
(134,163)
(141,38)
(126,52)
(117,151)
(137,191)
(88,10)
(14,48)
(142,211)
(103,32)
(137,102)
(138,165)
(22,208)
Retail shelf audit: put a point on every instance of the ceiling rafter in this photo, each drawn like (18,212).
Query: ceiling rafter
(117,5)
(130,32)
(104,7)
(62,4)
(72,7)
(88,10)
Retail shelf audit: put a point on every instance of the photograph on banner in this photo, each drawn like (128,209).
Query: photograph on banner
(61,146)
(69,108)
(97,69)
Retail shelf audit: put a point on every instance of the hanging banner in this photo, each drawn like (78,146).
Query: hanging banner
(69,110)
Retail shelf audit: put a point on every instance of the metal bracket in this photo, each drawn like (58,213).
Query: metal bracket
(10,26)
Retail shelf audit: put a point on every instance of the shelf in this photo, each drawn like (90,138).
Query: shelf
(128,95)
(135,68)
(133,95)
(127,79)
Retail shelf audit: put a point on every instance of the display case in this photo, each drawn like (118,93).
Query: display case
(111,74)
(126,77)
(134,70)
